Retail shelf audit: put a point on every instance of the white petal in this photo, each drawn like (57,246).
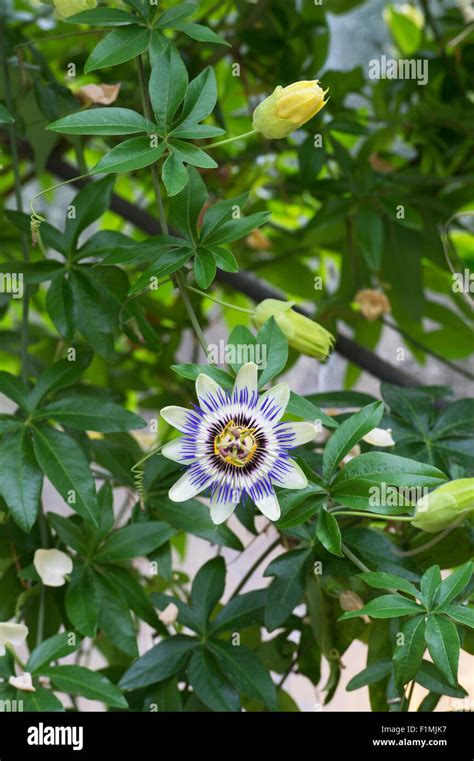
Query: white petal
(52,566)
(247,377)
(23,682)
(176,416)
(302,432)
(293,478)
(379,437)
(14,634)
(205,385)
(173,450)
(269,506)
(279,396)
(183,489)
(220,511)
(169,615)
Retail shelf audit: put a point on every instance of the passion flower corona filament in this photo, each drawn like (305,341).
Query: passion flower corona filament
(235,445)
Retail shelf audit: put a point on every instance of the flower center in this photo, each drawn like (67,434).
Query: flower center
(235,444)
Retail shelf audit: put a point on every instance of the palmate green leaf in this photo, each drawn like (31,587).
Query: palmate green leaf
(370,675)
(386,606)
(52,649)
(81,681)
(237,228)
(62,461)
(69,532)
(139,252)
(102,17)
(245,672)
(89,204)
(381,580)
(204,266)
(84,413)
(273,339)
(369,234)
(134,594)
(384,468)
(167,87)
(187,205)
(134,540)
(199,102)
(82,602)
(453,585)
(93,320)
(348,434)
(240,612)
(409,655)
(118,46)
(208,588)
(167,262)
(329,533)
(9,423)
(302,407)
(191,372)
(210,684)
(114,618)
(15,390)
(191,154)
(129,156)
(41,701)
(461,614)
(50,236)
(240,346)
(225,259)
(194,518)
(443,646)
(174,174)
(163,660)
(200,33)
(412,405)
(429,584)
(59,375)
(458,418)
(432,679)
(284,594)
(173,15)
(61,308)
(21,479)
(103,121)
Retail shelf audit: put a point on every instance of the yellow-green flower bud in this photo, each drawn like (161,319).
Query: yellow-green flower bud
(65,8)
(288,108)
(303,334)
(446,506)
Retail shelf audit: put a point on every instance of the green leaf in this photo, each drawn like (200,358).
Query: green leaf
(163,660)
(166,263)
(167,87)
(460,613)
(70,533)
(245,672)
(237,228)
(194,518)
(82,602)
(21,480)
(59,375)
(199,102)
(329,533)
(457,418)
(208,588)
(431,679)
(201,33)
(209,683)
(191,154)
(102,121)
(225,259)
(348,434)
(81,681)
(134,540)
(405,31)
(204,267)
(5,116)
(386,606)
(191,372)
(130,155)
(89,204)
(62,461)
(172,15)
(40,701)
(241,345)
(186,206)
(101,17)
(409,655)
(174,174)
(453,585)
(240,612)
(284,594)
(384,468)
(304,408)
(134,594)
(272,338)
(84,412)
(443,646)
(50,236)
(115,619)
(369,233)
(429,584)
(14,389)
(370,675)
(60,306)
(118,46)
(381,580)
(52,649)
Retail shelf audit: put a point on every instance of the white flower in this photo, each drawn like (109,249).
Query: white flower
(235,445)
(169,614)
(12,634)
(52,567)
(23,682)
(379,437)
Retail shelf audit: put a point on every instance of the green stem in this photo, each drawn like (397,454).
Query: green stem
(19,203)
(231,139)
(350,555)
(254,567)
(219,301)
(177,277)
(373,515)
